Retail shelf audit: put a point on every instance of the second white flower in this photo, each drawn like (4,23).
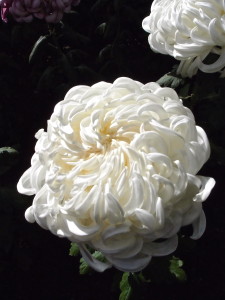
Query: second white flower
(189,30)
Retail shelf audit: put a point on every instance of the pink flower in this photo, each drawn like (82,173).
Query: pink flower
(26,10)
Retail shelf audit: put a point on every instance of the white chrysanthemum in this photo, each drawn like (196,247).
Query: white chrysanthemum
(189,30)
(116,170)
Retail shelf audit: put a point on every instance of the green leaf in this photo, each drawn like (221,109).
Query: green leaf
(85,268)
(142,278)
(8,151)
(170,80)
(74,249)
(8,157)
(176,269)
(125,287)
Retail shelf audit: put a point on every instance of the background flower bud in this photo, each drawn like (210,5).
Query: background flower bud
(26,10)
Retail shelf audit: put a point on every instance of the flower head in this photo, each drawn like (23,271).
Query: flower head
(189,30)
(26,10)
(116,170)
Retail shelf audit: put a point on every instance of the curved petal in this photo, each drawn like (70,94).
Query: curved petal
(161,248)
(135,264)
(24,185)
(93,262)
(207,184)
(218,65)
(199,226)
(29,215)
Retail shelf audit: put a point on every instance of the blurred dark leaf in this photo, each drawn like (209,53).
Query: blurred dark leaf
(76,56)
(105,54)
(171,80)
(38,49)
(111,28)
(8,157)
(109,69)
(86,74)
(100,30)
(100,6)
(66,67)
(73,39)
(47,78)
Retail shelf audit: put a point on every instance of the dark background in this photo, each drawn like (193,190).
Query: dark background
(98,40)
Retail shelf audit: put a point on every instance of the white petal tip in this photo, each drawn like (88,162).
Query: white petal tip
(199,226)
(29,215)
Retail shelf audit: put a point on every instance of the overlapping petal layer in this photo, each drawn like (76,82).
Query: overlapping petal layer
(189,30)
(116,171)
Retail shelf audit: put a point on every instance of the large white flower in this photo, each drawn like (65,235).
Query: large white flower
(116,170)
(189,30)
